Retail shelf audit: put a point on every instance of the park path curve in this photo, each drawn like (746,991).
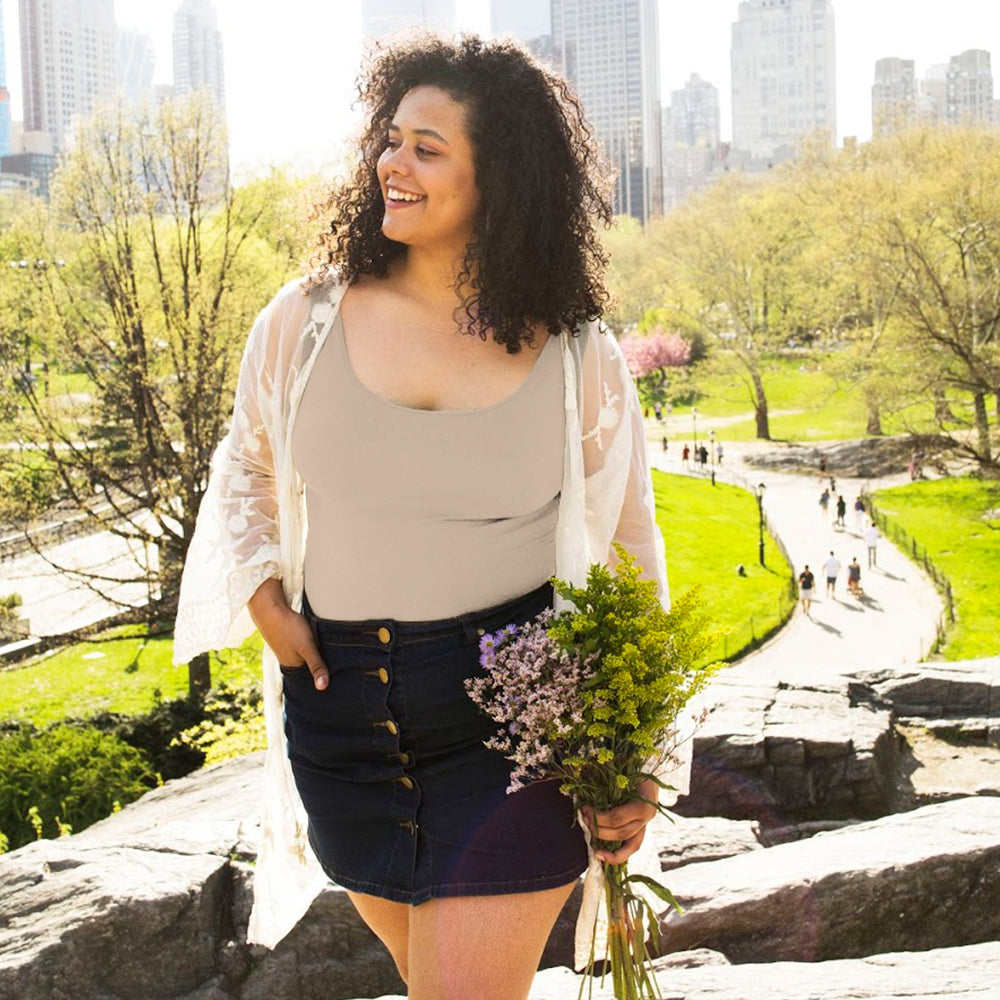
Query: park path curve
(894,623)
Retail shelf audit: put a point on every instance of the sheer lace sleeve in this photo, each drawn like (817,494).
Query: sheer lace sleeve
(619,491)
(620,504)
(235,546)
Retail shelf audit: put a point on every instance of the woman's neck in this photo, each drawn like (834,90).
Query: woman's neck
(429,280)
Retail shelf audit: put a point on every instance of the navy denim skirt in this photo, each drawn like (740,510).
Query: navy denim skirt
(403,799)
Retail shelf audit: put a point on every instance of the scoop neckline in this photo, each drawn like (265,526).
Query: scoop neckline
(418,409)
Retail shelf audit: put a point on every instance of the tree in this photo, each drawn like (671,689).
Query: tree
(733,268)
(939,235)
(165,271)
(649,358)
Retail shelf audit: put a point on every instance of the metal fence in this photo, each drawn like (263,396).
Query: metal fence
(918,554)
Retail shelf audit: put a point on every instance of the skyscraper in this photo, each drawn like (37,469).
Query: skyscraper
(198,61)
(690,139)
(969,94)
(783,74)
(894,96)
(4,96)
(382,17)
(136,62)
(68,50)
(529,21)
(609,50)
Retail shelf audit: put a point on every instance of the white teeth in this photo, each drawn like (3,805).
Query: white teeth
(404,195)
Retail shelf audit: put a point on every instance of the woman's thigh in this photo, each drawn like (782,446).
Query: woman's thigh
(480,946)
(389,921)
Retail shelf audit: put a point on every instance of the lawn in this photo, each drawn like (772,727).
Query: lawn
(116,675)
(819,409)
(951,519)
(708,531)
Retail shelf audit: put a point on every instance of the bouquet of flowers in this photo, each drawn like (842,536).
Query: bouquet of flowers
(591,697)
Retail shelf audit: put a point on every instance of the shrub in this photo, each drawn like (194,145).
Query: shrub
(64,777)
(233,724)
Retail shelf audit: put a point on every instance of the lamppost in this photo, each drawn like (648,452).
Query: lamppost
(694,443)
(711,448)
(39,265)
(759,494)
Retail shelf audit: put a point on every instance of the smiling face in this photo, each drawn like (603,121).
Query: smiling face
(426,173)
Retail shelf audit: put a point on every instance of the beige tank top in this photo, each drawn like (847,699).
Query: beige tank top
(418,514)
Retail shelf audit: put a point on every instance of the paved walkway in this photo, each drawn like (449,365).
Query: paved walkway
(893,623)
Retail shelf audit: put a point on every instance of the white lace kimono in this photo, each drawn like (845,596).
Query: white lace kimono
(252,526)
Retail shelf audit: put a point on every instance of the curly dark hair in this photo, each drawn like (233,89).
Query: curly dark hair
(535,256)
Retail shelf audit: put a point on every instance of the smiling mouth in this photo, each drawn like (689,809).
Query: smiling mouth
(395,201)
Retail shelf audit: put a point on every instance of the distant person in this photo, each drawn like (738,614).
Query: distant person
(841,510)
(859,514)
(686,457)
(822,465)
(664,444)
(718,452)
(703,456)
(806,583)
(854,577)
(658,411)
(830,570)
(872,535)
(824,503)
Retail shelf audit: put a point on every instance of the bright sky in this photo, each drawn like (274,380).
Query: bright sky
(289,78)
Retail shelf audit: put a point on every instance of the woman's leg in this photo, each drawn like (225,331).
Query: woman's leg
(480,946)
(390,922)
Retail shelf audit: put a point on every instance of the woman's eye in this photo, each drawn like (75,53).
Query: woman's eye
(421,150)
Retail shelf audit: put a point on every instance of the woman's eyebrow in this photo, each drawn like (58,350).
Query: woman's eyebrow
(421,131)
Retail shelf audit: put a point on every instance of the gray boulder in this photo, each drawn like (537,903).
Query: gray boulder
(966,973)
(793,754)
(959,690)
(912,881)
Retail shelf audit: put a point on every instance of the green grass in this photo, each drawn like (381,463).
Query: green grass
(708,531)
(126,678)
(946,516)
(824,409)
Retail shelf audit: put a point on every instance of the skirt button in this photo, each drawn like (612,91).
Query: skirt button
(405,781)
(383,634)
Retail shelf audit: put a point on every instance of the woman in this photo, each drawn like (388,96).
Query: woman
(443,412)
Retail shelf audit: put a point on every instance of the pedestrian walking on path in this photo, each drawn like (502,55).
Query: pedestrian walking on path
(718,452)
(841,511)
(685,457)
(824,502)
(830,570)
(854,577)
(859,514)
(806,583)
(872,535)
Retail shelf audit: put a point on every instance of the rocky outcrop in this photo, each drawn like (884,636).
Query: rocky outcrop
(793,754)
(961,696)
(864,458)
(969,973)
(153,903)
(912,881)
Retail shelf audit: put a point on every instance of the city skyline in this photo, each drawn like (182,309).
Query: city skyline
(314,54)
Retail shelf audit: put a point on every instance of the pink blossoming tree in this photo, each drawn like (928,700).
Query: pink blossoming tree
(651,356)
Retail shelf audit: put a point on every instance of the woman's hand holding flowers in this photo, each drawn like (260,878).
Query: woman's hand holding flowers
(625,823)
